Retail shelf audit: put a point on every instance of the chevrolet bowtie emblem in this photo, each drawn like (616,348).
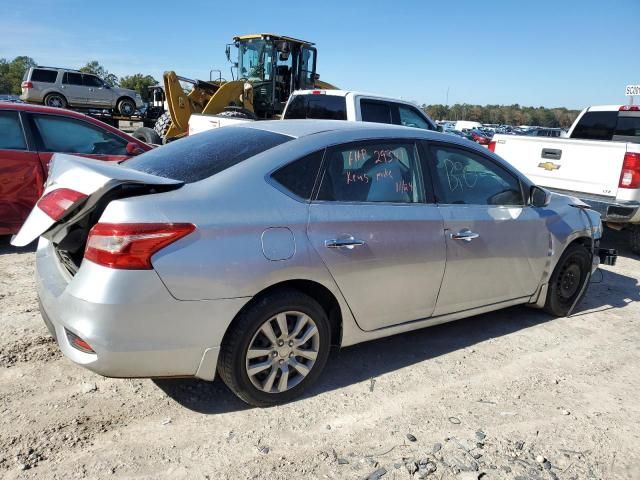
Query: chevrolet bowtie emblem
(549,166)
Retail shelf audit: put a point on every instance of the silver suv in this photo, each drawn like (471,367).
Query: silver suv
(62,87)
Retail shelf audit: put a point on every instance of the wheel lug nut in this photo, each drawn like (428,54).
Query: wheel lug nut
(274,353)
(280,342)
(291,355)
(281,361)
(291,343)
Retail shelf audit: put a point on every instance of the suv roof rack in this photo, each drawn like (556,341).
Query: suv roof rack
(58,68)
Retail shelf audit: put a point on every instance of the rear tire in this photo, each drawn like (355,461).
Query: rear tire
(567,279)
(147,135)
(282,352)
(126,107)
(162,125)
(55,100)
(634,238)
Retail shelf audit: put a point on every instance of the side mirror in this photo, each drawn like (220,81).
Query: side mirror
(133,149)
(539,197)
(227,52)
(106,87)
(316,76)
(439,128)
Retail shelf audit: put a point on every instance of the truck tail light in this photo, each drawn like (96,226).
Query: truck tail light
(492,145)
(58,202)
(630,175)
(26,85)
(130,246)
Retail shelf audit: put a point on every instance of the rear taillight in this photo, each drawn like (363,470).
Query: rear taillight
(492,145)
(26,85)
(630,175)
(58,202)
(130,246)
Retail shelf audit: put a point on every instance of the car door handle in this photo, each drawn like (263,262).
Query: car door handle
(347,242)
(466,235)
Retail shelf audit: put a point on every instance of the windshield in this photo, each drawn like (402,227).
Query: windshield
(254,60)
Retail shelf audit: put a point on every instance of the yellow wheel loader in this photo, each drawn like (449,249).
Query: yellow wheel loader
(269,68)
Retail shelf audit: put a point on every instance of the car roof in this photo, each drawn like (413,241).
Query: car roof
(344,93)
(303,128)
(30,107)
(605,108)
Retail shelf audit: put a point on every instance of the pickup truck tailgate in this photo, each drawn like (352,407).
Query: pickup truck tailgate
(589,166)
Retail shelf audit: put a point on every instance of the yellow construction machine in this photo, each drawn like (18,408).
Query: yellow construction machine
(269,67)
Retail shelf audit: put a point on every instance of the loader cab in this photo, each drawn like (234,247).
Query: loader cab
(275,66)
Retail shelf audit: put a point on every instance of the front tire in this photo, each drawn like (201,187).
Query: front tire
(275,349)
(163,123)
(567,279)
(55,100)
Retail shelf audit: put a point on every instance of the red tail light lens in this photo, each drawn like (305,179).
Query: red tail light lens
(492,145)
(629,108)
(630,175)
(26,85)
(58,202)
(130,246)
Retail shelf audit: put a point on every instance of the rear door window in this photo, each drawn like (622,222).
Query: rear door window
(596,126)
(46,76)
(68,135)
(374,111)
(319,107)
(374,171)
(71,78)
(12,137)
(201,156)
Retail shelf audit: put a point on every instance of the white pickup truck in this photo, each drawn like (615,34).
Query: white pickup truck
(333,105)
(599,163)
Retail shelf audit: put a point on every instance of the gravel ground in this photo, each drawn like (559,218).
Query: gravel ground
(508,395)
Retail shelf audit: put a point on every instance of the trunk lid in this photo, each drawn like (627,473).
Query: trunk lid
(93,178)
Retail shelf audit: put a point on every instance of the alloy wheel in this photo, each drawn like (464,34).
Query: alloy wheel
(282,352)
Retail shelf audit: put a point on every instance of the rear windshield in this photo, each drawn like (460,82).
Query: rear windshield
(321,107)
(198,157)
(47,76)
(596,126)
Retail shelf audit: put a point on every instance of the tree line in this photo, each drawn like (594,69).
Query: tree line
(12,73)
(504,114)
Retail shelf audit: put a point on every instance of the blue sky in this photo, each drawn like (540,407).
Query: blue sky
(551,53)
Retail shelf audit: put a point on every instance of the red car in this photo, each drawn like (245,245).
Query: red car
(30,135)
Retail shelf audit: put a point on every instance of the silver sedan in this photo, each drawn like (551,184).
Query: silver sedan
(250,250)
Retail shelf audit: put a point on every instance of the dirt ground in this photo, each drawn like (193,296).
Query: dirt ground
(508,395)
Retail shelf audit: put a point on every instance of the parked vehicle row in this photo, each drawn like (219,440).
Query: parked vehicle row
(249,250)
